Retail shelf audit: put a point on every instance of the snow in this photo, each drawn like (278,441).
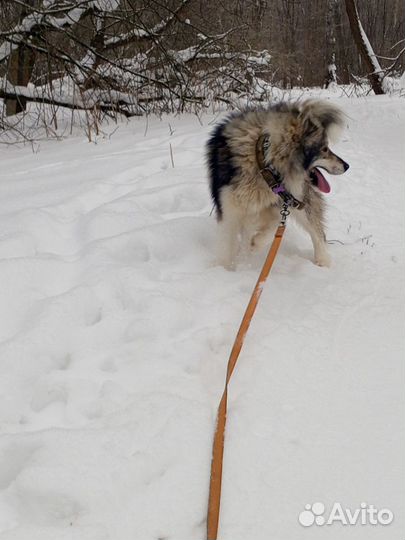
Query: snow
(106,5)
(71,17)
(6,49)
(116,325)
(138,33)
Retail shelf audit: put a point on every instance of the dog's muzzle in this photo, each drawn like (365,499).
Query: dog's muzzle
(318,179)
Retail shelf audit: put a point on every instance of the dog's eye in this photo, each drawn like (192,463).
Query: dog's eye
(324,149)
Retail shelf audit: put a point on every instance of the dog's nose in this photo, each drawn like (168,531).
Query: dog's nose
(345,166)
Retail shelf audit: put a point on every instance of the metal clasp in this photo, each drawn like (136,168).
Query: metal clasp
(284,212)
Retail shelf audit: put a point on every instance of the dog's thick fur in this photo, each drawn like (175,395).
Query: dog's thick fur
(246,207)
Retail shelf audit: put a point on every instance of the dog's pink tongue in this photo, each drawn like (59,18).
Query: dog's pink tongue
(323,184)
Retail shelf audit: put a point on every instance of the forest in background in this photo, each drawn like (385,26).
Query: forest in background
(132,57)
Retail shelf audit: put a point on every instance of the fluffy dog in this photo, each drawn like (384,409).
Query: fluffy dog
(258,159)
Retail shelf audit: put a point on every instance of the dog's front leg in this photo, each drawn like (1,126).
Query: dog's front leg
(230,224)
(228,241)
(321,253)
(311,219)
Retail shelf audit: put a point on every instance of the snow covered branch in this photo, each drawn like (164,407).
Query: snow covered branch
(140,33)
(39,20)
(107,103)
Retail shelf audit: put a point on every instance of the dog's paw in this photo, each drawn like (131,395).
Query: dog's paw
(323,259)
(227,264)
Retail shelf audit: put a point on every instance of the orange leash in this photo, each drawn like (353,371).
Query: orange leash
(214,500)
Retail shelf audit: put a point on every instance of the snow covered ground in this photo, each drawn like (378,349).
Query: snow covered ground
(116,324)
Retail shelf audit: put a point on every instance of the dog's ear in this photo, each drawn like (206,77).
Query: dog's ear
(309,128)
(322,115)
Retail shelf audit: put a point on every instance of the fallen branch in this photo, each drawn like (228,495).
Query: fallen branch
(22,93)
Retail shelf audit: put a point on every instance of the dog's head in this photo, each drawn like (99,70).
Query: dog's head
(320,122)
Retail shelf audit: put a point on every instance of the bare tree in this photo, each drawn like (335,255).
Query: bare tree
(374,70)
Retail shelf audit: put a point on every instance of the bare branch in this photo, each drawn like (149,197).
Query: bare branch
(139,33)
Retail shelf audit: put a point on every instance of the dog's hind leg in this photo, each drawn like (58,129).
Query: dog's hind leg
(311,219)
(229,230)
(266,227)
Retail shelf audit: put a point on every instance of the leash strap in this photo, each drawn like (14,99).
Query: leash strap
(214,500)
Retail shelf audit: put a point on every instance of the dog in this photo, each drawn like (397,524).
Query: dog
(259,160)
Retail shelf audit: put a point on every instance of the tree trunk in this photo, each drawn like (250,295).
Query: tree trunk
(343,61)
(20,66)
(374,71)
(330,49)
